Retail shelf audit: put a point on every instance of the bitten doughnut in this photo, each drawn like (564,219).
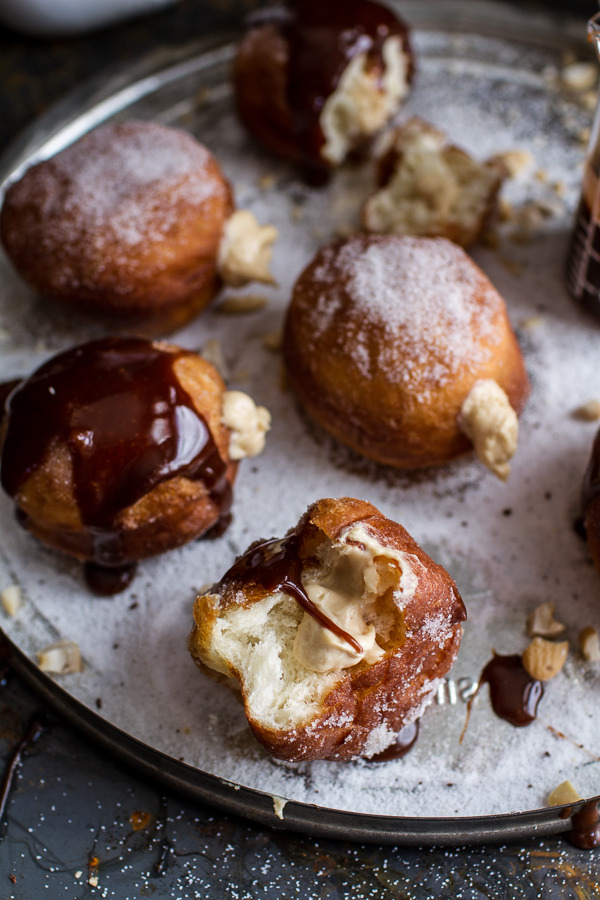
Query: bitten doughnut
(336,635)
(313,81)
(123,448)
(130,222)
(401,348)
(428,186)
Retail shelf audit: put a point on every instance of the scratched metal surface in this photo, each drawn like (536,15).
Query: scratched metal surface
(77,825)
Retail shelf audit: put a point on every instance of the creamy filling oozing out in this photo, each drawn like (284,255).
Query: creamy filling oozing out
(354,573)
(363,101)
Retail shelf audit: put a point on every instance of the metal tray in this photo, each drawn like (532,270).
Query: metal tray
(489,75)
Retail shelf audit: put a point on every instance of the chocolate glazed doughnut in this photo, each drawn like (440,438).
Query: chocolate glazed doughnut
(118,450)
(313,80)
(335,636)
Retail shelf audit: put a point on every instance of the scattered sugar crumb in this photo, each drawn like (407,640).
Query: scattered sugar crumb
(563,793)
(11,599)
(61,658)
(239,304)
(579,76)
(516,162)
(278,805)
(589,643)
(532,322)
(588,412)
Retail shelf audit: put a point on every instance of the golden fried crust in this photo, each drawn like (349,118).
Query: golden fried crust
(126,223)
(385,695)
(379,696)
(168,516)
(385,368)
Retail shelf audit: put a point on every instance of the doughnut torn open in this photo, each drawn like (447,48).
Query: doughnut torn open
(336,636)
(429,186)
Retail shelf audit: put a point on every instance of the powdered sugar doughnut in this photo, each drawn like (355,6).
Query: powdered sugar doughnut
(385,338)
(127,221)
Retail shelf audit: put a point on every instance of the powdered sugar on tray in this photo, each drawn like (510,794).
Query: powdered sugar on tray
(509,546)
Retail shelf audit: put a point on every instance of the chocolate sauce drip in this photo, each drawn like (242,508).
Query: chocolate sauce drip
(406,740)
(514,694)
(323,37)
(585,827)
(128,424)
(106,581)
(35,728)
(275,565)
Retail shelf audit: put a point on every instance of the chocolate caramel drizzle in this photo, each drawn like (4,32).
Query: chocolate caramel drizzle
(585,827)
(275,565)
(514,694)
(323,37)
(128,424)
(405,741)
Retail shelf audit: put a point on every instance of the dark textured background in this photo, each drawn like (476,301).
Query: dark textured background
(77,824)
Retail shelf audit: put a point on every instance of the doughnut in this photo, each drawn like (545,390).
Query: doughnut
(314,81)
(429,186)
(123,448)
(335,636)
(590,502)
(126,223)
(401,348)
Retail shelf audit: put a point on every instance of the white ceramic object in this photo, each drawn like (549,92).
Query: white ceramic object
(61,17)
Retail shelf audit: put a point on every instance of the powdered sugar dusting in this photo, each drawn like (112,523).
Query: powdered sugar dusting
(434,306)
(110,187)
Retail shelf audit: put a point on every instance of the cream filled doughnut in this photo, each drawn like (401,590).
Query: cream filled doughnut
(123,448)
(336,635)
(386,338)
(129,222)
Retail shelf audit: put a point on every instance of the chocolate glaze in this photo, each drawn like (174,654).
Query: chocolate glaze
(275,565)
(323,37)
(585,827)
(514,694)
(128,424)
(406,740)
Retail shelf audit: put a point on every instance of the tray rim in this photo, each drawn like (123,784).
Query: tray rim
(65,121)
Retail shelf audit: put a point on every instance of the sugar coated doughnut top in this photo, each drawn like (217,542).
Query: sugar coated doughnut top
(107,186)
(424,298)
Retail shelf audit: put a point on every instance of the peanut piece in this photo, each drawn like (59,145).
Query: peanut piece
(11,599)
(563,793)
(544,659)
(542,623)
(589,642)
